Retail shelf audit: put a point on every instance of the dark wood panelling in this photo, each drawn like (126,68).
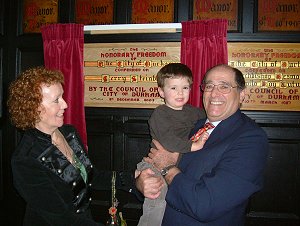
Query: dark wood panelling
(282,168)
(137,141)
(100,141)
(278,203)
(100,150)
(272,220)
(280,197)
(1,109)
(30,58)
(1,169)
(122,12)
(1,96)
(137,147)
(118,139)
(1,16)
(1,82)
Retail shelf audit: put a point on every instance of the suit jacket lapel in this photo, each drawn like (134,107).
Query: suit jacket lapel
(225,128)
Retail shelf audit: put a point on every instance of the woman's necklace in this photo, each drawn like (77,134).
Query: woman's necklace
(60,142)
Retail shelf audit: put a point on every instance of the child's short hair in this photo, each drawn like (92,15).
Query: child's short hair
(174,70)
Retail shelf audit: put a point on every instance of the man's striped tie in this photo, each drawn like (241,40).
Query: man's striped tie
(206,127)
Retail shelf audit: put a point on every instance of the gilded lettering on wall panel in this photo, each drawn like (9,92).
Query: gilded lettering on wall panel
(272,74)
(124,74)
(152,11)
(217,9)
(37,13)
(278,15)
(94,12)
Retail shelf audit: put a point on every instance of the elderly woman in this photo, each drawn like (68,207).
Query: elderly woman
(51,169)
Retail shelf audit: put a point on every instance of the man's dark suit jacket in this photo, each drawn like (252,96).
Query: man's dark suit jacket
(216,181)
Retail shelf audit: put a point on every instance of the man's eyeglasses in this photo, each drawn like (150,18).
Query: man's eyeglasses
(222,88)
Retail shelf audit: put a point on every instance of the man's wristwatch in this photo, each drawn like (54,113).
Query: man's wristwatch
(165,170)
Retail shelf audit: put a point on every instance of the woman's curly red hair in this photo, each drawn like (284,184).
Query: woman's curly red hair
(25,95)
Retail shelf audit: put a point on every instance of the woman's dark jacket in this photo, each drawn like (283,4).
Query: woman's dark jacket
(53,188)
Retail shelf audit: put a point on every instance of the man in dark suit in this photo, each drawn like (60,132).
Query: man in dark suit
(212,186)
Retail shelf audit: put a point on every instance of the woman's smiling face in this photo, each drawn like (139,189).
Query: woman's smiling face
(52,108)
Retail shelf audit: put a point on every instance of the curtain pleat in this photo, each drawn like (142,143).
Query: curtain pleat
(203,45)
(63,50)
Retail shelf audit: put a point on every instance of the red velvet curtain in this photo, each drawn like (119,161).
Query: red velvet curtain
(63,50)
(203,45)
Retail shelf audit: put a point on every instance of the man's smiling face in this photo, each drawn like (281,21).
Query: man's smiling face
(219,106)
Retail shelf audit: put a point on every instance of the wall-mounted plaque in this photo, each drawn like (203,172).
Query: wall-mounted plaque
(272,73)
(37,13)
(124,74)
(217,9)
(94,12)
(152,11)
(278,15)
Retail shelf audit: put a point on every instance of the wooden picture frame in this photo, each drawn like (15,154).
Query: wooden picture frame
(37,13)
(279,15)
(152,11)
(94,12)
(218,9)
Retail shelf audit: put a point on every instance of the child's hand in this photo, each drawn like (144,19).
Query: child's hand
(200,142)
(203,138)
